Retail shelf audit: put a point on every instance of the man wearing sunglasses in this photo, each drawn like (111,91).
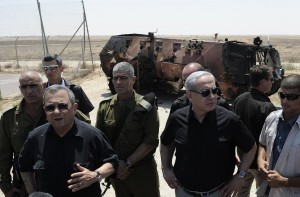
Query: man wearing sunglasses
(205,137)
(16,122)
(65,157)
(253,107)
(183,101)
(279,148)
(53,68)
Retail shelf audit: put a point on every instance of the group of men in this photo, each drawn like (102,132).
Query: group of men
(65,156)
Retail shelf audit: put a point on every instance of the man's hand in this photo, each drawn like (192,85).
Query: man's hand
(232,187)
(123,171)
(276,180)
(170,178)
(262,168)
(82,179)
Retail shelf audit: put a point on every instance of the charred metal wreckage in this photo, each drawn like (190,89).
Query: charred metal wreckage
(158,62)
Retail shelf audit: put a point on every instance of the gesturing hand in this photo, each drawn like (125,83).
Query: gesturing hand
(83,178)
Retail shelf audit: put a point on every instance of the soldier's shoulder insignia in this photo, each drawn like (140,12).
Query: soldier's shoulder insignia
(107,99)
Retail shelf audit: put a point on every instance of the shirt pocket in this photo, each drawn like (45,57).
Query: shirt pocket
(41,172)
(18,139)
(110,126)
(134,133)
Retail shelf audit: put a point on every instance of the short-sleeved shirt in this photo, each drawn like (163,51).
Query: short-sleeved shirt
(84,103)
(139,127)
(53,158)
(205,152)
(15,126)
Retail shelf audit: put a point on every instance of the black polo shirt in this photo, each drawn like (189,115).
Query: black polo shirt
(205,153)
(253,107)
(53,158)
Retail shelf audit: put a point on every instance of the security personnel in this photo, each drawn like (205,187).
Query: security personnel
(131,123)
(15,124)
(53,68)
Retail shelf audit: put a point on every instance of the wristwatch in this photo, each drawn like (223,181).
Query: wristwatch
(241,174)
(98,176)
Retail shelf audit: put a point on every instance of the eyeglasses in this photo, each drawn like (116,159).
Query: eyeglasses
(206,92)
(121,78)
(271,79)
(60,107)
(31,86)
(289,97)
(50,67)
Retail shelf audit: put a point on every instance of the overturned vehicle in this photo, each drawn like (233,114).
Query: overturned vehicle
(158,62)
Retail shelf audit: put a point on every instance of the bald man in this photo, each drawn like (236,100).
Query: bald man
(183,101)
(16,122)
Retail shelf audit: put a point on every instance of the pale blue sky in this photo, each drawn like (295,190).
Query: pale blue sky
(170,17)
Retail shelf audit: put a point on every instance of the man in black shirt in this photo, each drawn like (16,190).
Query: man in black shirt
(183,101)
(65,157)
(205,137)
(53,68)
(253,107)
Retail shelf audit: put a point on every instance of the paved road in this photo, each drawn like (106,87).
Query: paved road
(9,84)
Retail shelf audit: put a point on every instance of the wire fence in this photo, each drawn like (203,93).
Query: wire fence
(22,45)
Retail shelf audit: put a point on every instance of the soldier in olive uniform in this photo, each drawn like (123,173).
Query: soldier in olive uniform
(15,124)
(131,123)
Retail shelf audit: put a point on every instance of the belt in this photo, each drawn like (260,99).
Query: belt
(200,194)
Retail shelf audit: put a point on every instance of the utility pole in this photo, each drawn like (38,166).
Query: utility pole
(17,57)
(44,39)
(88,33)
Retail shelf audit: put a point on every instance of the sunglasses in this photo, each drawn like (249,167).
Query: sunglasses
(60,107)
(289,97)
(121,78)
(31,86)
(206,92)
(51,67)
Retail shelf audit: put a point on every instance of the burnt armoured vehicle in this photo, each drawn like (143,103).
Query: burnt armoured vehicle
(158,62)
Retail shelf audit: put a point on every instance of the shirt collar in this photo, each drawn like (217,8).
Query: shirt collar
(292,121)
(211,115)
(74,131)
(20,107)
(63,83)
(130,104)
(258,93)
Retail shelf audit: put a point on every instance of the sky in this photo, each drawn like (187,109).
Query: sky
(167,17)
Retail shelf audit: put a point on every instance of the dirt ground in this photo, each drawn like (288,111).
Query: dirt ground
(95,86)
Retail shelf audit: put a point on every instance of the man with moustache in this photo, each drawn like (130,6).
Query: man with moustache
(15,125)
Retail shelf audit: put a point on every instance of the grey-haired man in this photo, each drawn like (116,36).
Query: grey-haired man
(131,123)
(205,137)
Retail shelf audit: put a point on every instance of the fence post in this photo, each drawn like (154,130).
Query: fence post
(16,48)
